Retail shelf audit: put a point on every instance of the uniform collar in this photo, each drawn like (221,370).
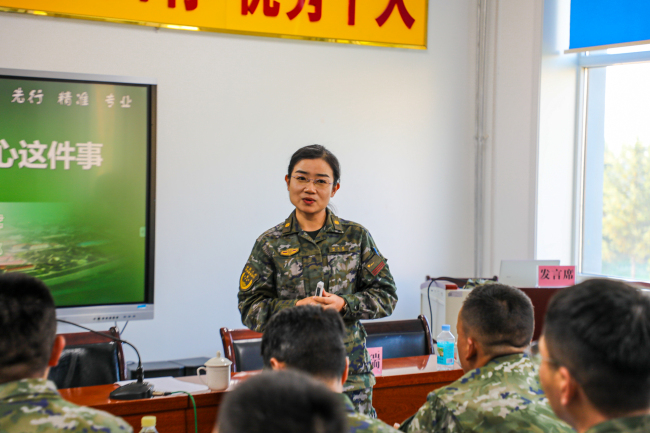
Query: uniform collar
(511,358)
(27,387)
(349,407)
(628,424)
(332,224)
(495,364)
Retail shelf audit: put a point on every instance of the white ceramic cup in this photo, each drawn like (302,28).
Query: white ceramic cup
(218,377)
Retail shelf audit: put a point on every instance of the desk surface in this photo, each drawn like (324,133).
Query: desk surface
(400,391)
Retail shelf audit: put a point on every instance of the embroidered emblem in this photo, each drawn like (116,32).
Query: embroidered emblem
(248,277)
(375,265)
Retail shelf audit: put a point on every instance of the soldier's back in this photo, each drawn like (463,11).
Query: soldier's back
(503,396)
(360,423)
(35,406)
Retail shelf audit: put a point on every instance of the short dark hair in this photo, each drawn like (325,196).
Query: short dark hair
(282,402)
(27,323)
(500,315)
(307,338)
(316,151)
(600,330)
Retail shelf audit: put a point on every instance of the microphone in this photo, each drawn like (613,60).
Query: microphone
(132,391)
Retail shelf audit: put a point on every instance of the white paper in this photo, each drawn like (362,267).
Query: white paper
(169,384)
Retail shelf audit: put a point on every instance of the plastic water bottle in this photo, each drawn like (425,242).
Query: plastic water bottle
(148,424)
(446,349)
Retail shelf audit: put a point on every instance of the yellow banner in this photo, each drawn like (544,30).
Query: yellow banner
(396,23)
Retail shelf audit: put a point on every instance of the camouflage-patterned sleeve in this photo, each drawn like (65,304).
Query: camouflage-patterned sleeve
(375,293)
(432,417)
(258,297)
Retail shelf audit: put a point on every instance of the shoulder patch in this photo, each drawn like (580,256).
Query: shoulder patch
(289,252)
(248,277)
(375,264)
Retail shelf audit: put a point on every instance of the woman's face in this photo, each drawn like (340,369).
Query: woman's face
(311,197)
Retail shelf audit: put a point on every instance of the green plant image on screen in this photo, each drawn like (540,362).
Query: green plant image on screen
(73,187)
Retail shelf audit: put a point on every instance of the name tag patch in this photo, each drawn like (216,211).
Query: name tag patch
(248,277)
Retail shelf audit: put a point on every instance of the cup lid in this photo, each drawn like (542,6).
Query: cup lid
(218,361)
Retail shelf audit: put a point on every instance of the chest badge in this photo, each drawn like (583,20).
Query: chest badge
(289,252)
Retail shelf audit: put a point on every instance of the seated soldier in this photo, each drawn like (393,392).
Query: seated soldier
(281,402)
(29,346)
(310,339)
(500,390)
(595,351)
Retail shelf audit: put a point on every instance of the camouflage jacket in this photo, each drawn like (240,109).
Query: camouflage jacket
(286,264)
(633,424)
(35,405)
(359,423)
(503,396)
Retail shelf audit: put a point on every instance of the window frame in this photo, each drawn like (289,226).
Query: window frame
(586,62)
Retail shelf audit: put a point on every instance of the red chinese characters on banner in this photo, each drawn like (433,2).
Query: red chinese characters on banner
(352,12)
(313,16)
(271,8)
(190,5)
(403,12)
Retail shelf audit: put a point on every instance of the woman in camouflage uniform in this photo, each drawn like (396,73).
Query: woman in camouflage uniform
(313,245)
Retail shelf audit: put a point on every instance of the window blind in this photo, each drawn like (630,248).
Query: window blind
(603,23)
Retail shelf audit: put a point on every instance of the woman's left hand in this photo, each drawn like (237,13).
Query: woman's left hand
(330,301)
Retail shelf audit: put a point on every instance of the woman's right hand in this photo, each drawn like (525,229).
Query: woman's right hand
(308,301)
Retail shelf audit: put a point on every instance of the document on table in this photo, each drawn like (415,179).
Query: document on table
(169,384)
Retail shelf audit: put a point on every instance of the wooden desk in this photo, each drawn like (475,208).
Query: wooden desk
(398,394)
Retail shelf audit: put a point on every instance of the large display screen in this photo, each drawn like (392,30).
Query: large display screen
(76,186)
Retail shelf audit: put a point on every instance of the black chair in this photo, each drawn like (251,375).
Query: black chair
(400,338)
(243,348)
(89,359)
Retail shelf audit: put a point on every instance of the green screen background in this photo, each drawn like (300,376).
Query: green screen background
(81,231)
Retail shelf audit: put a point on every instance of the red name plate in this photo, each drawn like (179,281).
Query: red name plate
(556,276)
(376,354)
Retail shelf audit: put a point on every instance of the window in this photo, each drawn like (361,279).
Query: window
(615,202)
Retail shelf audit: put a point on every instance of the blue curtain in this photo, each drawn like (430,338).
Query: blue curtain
(606,22)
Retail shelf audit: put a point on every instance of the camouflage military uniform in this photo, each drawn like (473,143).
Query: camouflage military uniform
(502,396)
(35,405)
(359,423)
(632,424)
(285,266)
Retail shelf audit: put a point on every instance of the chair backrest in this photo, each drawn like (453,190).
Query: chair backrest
(89,359)
(243,347)
(460,282)
(400,338)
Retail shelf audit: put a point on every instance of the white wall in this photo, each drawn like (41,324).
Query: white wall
(515,37)
(232,109)
(557,138)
